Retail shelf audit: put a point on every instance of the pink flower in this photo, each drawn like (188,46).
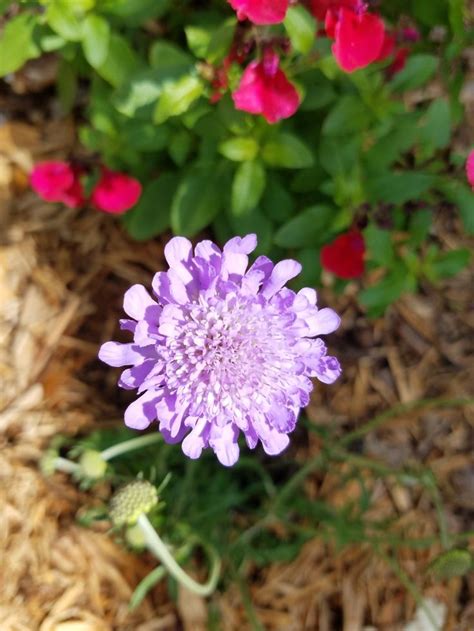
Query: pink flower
(264,89)
(344,257)
(319,8)
(359,36)
(56,181)
(261,11)
(115,192)
(470,168)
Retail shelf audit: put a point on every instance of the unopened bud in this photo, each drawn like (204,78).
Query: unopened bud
(92,464)
(131,501)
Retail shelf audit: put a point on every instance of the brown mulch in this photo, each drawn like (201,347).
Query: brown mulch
(62,275)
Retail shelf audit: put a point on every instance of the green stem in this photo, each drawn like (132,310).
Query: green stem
(160,550)
(398,410)
(130,445)
(63,464)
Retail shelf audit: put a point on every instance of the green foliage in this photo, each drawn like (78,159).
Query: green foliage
(352,148)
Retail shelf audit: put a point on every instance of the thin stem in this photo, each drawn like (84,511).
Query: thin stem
(130,445)
(397,410)
(63,464)
(160,550)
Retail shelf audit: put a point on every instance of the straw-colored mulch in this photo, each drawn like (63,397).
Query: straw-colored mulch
(62,275)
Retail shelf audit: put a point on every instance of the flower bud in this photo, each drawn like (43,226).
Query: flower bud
(131,501)
(92,464)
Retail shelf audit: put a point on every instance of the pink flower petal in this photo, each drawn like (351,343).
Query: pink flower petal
(261,11)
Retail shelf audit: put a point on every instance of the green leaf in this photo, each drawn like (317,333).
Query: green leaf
(349,116)
(16,43)
(180,146)
(137,12)
(197,201)
(435,131)
(277,203)
(177,97)
(95,39)
(318,91)
(287,151)
(137,96)
(452,563)
(448,263)
(121,62)
(167,56)
(63,19)
(420,225)
(418,70)
(379,245)
(311,272)
(398,188)
(239,149)
(211,42)
(309,228)
(151,216)
(463,198)
(66,86)
(378,297)
(247,187)
(339,156)
(391,146)
(301,28)
(144,136)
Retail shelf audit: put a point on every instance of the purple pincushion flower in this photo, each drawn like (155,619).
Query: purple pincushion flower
(221,350)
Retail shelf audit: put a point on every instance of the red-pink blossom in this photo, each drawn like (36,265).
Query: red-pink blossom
(261,11)
(344,257)
(115,192)
(358,37)
(319,8)
(470,169)
(264,89)
(56,181)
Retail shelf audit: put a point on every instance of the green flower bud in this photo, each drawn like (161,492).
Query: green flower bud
(452,563)
(92,464)
(135,538)
(48,462)
(131,501)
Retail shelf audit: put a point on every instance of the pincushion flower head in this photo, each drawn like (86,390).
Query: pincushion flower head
(219,349)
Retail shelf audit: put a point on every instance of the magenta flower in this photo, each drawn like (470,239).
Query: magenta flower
(56,181)
(221,349)
(358,36)
(264,89)
(261,11)
(116,192)
(470,169)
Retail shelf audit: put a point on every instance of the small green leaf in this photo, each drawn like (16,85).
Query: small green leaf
(277,203)
(16,43)
(197,201)
(435,131)
(137,96)
(309,228)
(463,198)
(247,187)
(398,188)
(448,263)
(239,149)
(62,18)
(121,62)
(177,97)
(151,216)
(180,146)
(418,70)
(95,39)
(301,28)
(66,86)
(378,297)
(167,56)
(287,151)
(379,245)
(144,136)
(349,116)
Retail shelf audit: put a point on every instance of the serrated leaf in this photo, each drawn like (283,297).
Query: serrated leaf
(197,201)
(301,28)
(287,151)
(247,187)
(308,228)
(95,39)
(239,149)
